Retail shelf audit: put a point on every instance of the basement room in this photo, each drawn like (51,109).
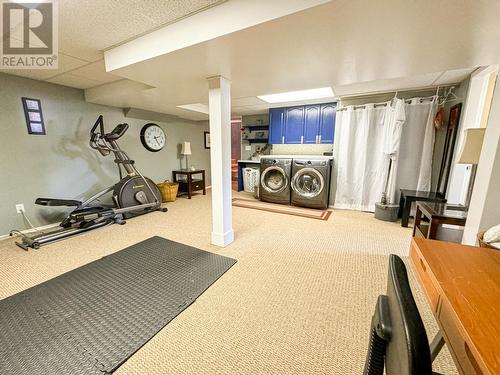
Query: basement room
(281,187)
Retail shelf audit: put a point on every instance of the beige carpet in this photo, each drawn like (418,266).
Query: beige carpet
(299,300)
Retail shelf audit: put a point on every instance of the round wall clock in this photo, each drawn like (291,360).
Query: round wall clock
(153,137)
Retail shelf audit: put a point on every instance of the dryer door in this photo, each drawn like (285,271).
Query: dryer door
(274,180)
(308,183)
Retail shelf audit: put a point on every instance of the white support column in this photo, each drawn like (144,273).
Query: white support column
(475,108)
(219,101)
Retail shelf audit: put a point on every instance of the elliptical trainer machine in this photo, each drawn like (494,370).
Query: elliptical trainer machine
(133,195)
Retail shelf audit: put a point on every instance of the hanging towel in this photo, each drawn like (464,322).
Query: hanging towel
(393,128)
(393,125)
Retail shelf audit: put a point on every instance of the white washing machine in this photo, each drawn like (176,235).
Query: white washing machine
(310,182)
(275,179)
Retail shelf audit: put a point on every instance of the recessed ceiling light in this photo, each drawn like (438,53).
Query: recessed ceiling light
(196,107)
(294,96)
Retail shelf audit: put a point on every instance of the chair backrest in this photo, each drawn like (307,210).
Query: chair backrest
(398,340)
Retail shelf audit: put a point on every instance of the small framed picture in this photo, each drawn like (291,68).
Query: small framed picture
(33,116)
(207,140)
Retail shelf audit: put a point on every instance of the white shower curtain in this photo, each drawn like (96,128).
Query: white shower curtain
(360,158)
(368,137)
(413,169)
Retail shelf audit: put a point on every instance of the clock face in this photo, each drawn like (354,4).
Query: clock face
(153,137)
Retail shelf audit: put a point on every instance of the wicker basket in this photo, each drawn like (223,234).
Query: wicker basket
(484,244)
(168,191)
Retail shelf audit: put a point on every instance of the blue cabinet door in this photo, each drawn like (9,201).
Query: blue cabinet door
(327,123)
(276,125)
(294,125)
(311,124)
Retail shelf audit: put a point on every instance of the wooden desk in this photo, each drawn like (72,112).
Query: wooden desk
(462,285)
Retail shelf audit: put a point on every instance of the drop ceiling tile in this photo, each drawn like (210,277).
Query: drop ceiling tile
(91,26)
(96,71)
(71,80)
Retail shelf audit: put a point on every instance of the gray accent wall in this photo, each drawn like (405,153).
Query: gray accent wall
(61,164)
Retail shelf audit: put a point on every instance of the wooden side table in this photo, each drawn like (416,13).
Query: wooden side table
(190,184)
(438,213)
(409,196)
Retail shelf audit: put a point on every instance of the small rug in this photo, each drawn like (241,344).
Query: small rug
(283,209)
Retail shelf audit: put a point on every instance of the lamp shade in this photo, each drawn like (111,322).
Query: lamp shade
(471,149)
(186,148)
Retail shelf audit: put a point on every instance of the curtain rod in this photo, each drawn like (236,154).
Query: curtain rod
(380,93)
(384,104)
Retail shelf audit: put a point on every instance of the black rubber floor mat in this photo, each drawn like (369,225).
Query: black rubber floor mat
(91,319)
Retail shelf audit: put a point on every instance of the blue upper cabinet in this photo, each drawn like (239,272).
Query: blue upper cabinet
(276,125)
(294,125)
(308,124)
(327,123)
(311,124)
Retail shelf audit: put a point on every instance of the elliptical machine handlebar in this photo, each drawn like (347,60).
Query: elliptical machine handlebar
(106,143)
(97,141)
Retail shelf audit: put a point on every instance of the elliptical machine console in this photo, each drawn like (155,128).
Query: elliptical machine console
(133,195)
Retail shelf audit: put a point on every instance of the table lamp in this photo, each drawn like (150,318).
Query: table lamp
(470,153)
(186,150)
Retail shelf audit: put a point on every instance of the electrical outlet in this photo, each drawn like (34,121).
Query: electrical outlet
(20,208)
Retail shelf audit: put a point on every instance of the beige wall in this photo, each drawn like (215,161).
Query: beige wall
(484,209)
(61,164)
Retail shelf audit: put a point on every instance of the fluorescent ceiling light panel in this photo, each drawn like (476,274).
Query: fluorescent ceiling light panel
(295,96)
(195,107)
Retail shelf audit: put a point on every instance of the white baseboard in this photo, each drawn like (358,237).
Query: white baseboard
(223,239)
(37,229)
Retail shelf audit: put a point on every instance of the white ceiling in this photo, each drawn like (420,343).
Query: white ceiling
(86,28)
(355,46)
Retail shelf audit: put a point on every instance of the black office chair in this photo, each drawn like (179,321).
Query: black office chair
(398,340)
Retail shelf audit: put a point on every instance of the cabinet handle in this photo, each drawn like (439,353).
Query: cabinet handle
(301,139)
(319,139)
(282,120)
